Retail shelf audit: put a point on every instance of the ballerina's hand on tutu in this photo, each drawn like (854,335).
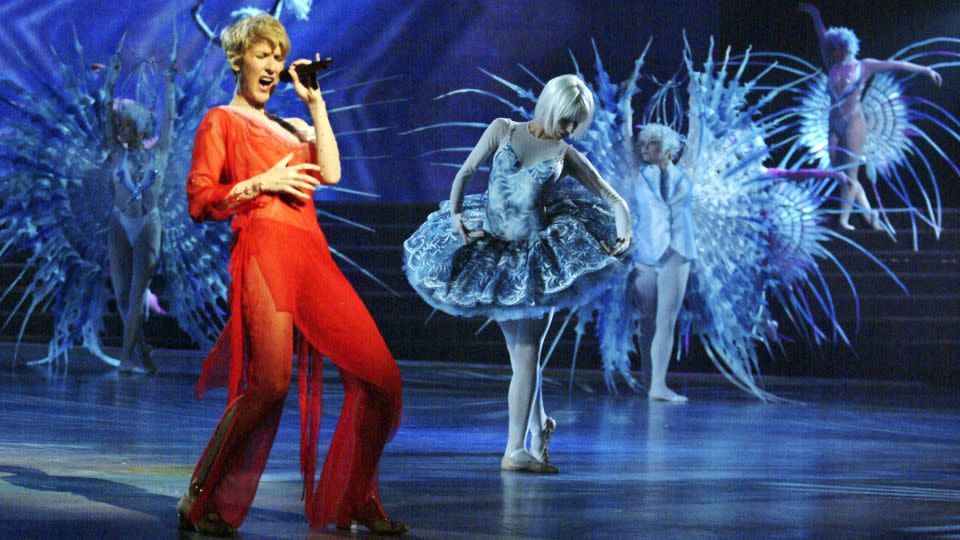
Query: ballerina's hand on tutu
(283,179)
(465,233)
(618,246)
(934,76)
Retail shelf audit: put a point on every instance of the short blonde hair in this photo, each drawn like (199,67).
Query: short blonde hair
(668,138)
(239,36)
(564,98)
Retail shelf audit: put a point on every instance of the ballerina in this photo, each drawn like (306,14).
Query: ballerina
(533,243)
(100,213)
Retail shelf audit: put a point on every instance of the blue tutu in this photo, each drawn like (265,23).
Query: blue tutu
(533,258)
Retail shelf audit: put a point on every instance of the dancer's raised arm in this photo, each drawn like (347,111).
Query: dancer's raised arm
(821,30)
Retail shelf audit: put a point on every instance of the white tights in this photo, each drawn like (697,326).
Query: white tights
(660,291)
(525,339)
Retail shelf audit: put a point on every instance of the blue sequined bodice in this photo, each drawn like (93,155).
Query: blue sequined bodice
(515,194)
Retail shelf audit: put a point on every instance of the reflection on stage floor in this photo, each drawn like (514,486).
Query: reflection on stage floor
(95,454)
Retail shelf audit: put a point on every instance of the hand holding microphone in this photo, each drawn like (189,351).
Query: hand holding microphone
(307,72)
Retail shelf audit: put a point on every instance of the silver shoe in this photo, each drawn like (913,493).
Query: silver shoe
(543,453)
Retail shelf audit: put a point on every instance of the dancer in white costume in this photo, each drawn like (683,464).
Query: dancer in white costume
(664,247)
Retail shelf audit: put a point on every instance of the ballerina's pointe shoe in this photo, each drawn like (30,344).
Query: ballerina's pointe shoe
(523,461)
(140,362)
(541,450)
(127,367)
(375,520)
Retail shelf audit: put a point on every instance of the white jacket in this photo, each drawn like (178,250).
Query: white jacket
(659,224)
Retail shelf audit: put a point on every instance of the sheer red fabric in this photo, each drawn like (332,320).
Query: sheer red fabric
(284,279)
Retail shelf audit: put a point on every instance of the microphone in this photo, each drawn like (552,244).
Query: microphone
(308,72)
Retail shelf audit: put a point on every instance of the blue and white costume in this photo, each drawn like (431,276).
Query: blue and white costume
(58,199)
(542,244)
(760,243)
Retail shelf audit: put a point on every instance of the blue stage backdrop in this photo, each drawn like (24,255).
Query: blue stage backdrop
(433,46)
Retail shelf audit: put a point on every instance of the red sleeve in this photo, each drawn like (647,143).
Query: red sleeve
(205,189)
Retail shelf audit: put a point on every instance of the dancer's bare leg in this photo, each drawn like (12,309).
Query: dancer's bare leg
(848,157)
(671,286)
(856,141)
(145,257)
(838,159)
(121,268)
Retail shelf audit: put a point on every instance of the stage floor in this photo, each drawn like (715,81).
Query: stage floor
(96,455)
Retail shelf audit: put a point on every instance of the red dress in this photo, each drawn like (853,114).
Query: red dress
(281,269)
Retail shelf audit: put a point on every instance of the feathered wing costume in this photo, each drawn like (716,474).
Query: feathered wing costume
(902,131)
(57,193)
(760,237)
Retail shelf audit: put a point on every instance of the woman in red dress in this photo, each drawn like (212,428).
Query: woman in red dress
(286,291)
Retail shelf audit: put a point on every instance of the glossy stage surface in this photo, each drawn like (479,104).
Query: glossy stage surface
(97,455)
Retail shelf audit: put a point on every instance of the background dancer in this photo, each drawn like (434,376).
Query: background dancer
(663,249)
(846,79)
(135,225)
